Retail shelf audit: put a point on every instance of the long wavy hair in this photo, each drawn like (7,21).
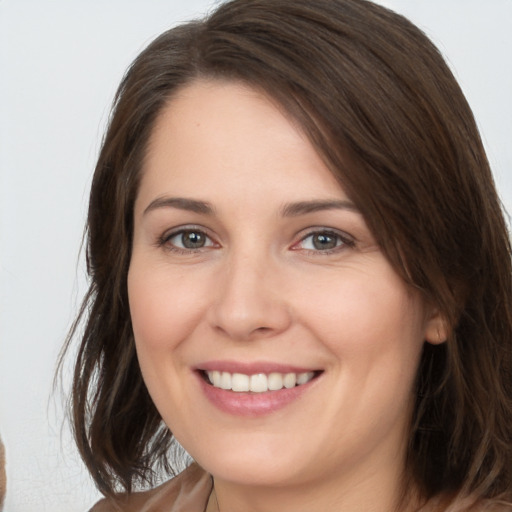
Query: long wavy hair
(380,105)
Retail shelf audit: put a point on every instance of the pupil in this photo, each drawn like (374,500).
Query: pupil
(323,242)
(193,240)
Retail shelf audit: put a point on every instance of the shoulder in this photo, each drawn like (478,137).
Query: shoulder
(189,491)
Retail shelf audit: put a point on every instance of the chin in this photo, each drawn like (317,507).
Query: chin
(265,474)
(254,467)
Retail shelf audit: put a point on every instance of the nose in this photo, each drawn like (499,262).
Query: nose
(250,302)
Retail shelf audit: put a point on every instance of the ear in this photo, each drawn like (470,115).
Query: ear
(436,329)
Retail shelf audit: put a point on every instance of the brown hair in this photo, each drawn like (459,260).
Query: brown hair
(382,108)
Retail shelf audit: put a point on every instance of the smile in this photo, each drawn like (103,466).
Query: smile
(259,382)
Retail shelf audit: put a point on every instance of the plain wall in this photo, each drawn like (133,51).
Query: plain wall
(60,63)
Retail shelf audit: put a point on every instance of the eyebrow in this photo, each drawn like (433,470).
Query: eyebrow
(288,210)
(305,207)
(181,203)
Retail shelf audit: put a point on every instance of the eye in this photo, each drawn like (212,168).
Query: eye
(187,240)
(324,241)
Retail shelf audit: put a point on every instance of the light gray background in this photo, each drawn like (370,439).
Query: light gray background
(60,62)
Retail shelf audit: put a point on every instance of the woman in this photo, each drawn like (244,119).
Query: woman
(299,270)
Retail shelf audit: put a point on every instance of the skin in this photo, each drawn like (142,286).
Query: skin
(260,290)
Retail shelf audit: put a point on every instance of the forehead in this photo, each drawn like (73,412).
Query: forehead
(218,114)
(227,138)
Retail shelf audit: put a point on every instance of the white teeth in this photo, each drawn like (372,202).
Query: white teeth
(275,381)
(289,381)
(240,382)
(259,382)
(225,380)
(302,378)
(215,378)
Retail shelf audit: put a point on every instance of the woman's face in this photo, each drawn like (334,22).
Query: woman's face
(275,339)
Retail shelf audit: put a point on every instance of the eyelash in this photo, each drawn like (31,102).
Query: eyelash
(343,241)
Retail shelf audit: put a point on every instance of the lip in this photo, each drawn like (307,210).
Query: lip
(252,368)
(247,404)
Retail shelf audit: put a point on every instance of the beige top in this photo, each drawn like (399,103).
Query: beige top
(190,491)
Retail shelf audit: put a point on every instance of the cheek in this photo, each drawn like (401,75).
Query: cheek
(164,307)
(164,312)
(367,307)
(372,325)
(373,330)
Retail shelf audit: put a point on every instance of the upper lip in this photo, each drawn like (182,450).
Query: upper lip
(253,368)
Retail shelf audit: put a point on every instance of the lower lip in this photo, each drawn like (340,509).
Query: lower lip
(252,404)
